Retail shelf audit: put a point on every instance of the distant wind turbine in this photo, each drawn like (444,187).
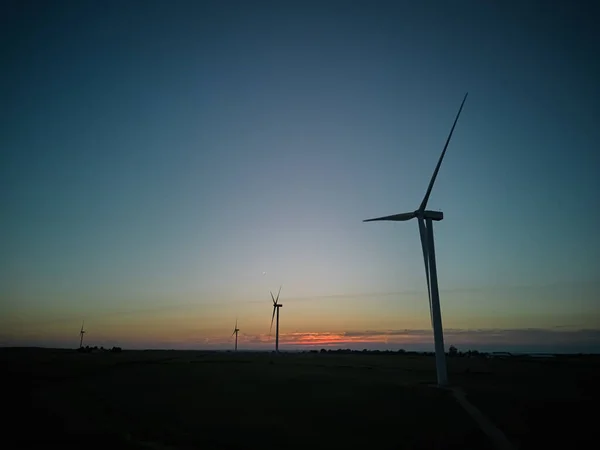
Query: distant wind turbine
(235,331)
(425,219)
(276,307)
(81,333)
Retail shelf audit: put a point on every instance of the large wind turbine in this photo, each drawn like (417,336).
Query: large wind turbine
(276,307)
(425,219)
(235,331)
(81,333)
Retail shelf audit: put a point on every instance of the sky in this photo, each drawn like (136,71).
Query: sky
(164,165)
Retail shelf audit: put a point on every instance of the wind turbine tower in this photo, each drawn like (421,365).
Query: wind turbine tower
(81,333)
(276,306)
(425,219)
(235,331)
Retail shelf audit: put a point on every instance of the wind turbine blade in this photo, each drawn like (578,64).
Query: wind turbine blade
(425,247)
(272,317)
(273,298)
(437,168)
(278,294)
(396,217)
(232,333)
(82,323)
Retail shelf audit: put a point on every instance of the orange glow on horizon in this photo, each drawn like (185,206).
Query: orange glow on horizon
(320,339)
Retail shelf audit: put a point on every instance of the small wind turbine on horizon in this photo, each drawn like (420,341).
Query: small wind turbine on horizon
(81,333)
(276,306)
(235,331)
(425,219)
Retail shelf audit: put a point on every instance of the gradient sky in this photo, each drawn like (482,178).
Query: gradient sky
(157,157)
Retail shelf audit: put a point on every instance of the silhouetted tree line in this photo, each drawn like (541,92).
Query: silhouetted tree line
(366,351)
(452,352)
(88,349)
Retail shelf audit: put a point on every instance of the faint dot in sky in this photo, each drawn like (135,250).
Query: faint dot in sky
(264,273)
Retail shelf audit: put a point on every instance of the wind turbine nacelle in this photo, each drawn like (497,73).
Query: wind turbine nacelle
(434,215)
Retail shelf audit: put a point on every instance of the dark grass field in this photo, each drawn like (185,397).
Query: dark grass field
(205,400)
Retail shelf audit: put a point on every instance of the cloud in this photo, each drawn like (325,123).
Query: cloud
(556,339)
(371,333)
(519,337)
(471,338)
(19,317)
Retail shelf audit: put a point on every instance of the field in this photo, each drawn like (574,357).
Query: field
(211,400)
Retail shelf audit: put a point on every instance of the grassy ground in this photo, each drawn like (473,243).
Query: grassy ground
(168,399)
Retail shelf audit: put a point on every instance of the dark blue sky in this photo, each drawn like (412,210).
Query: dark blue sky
(165,154)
